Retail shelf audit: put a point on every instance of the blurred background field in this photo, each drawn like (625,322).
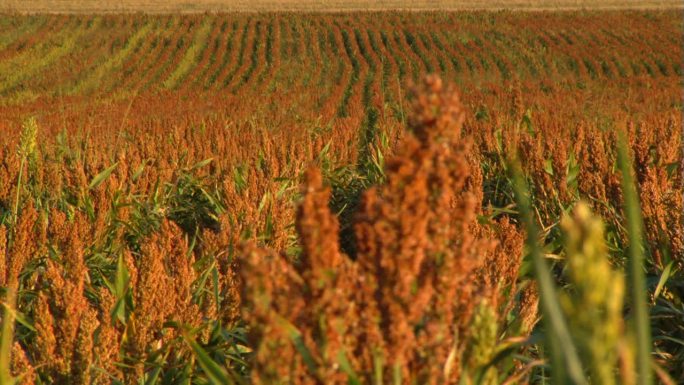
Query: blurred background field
(85,6)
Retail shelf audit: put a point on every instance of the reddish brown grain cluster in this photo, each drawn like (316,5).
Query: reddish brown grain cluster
(73,333)
(418,275)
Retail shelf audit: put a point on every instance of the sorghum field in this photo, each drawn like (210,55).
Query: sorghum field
(342,198)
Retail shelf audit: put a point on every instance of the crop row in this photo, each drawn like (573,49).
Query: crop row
(227,53)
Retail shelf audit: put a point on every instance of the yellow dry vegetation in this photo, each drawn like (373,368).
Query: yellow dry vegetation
(162,6)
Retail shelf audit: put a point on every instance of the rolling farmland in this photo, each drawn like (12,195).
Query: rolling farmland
(286,198)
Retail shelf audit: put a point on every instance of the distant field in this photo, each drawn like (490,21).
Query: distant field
(317,5)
